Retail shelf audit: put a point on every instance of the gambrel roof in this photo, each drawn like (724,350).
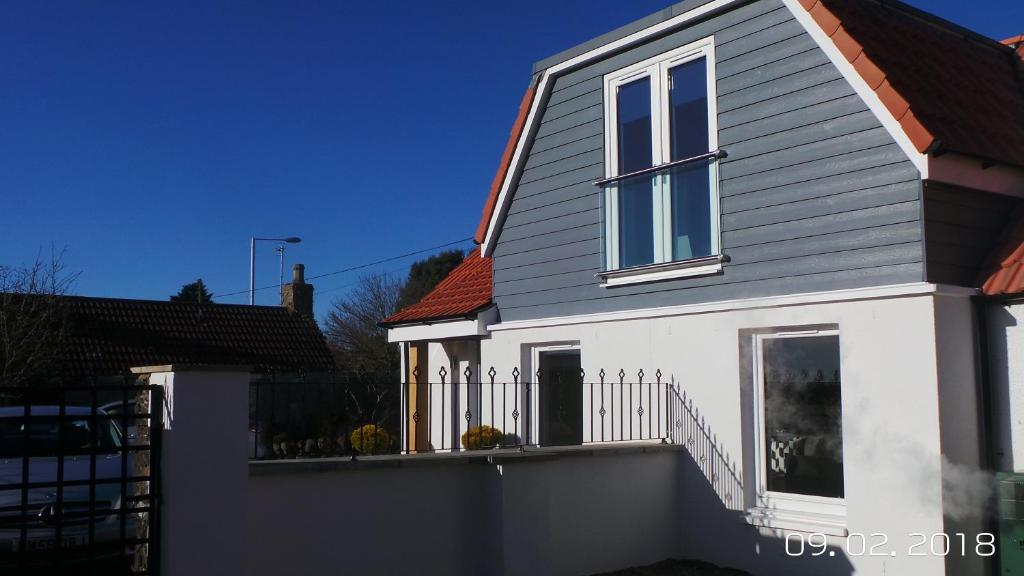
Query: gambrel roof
(950,89)
(936,87)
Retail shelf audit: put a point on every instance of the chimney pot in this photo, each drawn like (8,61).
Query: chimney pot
(299,274)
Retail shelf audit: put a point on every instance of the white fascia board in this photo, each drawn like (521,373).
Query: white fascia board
(853,294)
(969,172)
(874,103)
(540,96)
(445,330)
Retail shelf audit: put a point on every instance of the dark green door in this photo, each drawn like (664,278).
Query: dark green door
(561,398)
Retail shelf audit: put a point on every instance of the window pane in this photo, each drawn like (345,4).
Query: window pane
(803,416)
(688,89)
(636,221)
(690,185)
(634,126)
(635,195)
(691,211)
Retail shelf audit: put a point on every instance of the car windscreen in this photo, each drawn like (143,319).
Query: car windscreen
(44,436)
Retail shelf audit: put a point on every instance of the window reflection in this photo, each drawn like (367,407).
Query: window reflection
(802,415)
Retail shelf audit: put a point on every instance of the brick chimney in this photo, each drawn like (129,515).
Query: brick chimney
(297,296)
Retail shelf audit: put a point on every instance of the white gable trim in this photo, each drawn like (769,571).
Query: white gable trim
(515,166)
(874,103)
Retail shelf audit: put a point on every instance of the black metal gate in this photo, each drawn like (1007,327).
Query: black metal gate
(79,478)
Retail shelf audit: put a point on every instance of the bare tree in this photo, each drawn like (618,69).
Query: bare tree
(361,347)
(33,322)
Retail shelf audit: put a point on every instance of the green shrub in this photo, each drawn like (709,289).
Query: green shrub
(283,447)
(481,437)
(370,439)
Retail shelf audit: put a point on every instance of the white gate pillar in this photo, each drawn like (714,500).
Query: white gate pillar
(204,468)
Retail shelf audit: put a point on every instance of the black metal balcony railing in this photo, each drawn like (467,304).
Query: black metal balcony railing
(452,413)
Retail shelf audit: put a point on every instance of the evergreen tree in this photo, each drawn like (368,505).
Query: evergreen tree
(424,275)
(193,292)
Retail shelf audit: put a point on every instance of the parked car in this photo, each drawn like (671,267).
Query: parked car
(44,445)
(117,409)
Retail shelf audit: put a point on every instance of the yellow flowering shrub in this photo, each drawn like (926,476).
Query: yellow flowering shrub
(370,439)
(481,437)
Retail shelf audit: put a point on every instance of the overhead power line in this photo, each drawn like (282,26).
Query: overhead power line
(354,268)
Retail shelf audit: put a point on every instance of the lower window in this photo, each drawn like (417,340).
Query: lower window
(799,418)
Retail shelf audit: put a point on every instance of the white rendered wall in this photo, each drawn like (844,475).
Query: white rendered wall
(1006,373)
(452,515)
(891,425)
(965,488)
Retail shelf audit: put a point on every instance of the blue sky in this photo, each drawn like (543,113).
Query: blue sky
(152,139)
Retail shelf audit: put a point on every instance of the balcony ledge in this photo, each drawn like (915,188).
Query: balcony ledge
(499,456)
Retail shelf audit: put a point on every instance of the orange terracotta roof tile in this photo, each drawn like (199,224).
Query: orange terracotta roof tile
(465,291)
(506,161)
(950,89)
(1004,271)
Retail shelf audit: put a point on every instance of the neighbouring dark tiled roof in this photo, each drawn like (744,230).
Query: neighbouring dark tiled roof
(110,336)
(950,89)
(465,291)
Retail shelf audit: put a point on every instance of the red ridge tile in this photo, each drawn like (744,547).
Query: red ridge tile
(869,71)
(846,44)
(918,134)
(824,17)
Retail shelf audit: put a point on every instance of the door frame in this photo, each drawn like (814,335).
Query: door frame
(534,391)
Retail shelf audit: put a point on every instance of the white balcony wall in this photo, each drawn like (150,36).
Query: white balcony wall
(897,423)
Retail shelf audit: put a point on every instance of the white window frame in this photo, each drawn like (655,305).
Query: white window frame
(657,69)
(535,352)
(782,509)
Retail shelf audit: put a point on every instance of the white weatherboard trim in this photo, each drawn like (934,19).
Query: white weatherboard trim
(873,293)
(813,523)
(891,124)
(539,96)
(656,275)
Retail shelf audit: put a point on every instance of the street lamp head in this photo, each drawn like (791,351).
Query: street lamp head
(293,239)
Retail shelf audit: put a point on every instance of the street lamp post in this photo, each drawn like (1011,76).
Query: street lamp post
(252,260)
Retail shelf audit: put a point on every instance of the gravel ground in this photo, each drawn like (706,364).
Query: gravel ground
(678,568)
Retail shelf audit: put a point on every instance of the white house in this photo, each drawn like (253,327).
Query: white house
(781,232)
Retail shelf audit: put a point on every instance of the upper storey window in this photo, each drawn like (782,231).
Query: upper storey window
(661,189)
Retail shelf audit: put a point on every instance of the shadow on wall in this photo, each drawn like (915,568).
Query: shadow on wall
(712,510)
(1001,326)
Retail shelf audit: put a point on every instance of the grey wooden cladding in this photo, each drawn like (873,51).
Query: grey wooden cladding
(550,288)
(962,229)
(521,309)
(814,195)
(586,130)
